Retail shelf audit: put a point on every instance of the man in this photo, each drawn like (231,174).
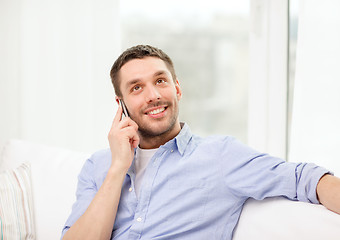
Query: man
(159,181)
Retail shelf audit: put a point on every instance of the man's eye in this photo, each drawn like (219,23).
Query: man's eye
(160,80)
(135,88)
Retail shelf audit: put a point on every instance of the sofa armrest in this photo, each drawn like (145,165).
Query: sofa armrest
(280,219)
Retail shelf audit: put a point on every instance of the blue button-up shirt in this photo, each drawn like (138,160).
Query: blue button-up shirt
(195,188)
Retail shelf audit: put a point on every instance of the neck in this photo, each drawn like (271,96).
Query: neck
(150,142)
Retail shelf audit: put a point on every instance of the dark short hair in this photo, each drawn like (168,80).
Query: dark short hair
(138,52)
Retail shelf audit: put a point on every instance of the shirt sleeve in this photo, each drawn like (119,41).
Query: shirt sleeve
(86,190)
(250,174)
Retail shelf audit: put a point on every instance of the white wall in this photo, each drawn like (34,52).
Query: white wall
(55,58)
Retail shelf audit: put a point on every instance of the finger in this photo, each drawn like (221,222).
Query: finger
(133,124)
(118,116)
(130,132)
(127,122)
(135,141)
(131,136)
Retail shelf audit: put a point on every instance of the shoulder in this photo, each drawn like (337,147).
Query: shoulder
(225,145)
(99,160)
(216,141)
(221,139)
(211,144)
(101,155)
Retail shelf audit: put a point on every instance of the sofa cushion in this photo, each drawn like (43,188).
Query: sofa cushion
(280,219)
(16,205)
(54,179)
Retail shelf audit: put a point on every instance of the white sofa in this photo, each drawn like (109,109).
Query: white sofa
(54,177)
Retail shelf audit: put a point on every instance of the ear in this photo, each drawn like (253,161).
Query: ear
(117,100)
(178,89)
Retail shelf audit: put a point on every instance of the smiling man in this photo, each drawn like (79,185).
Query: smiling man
(160,181)
(152,96)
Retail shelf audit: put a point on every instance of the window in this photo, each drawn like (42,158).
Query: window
(208,43)
(293,31)
(315,110)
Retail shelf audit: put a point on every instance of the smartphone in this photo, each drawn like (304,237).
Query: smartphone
(125,112)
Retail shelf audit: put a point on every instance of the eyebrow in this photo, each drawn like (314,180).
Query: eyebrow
(156,74)
(132,82)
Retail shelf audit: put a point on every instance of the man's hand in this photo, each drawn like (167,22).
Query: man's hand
(328,192)
(99,218)
(123,138)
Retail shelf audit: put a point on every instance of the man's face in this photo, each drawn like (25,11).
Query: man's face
(150,95)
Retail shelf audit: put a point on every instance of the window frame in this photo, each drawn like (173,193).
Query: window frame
(268,76)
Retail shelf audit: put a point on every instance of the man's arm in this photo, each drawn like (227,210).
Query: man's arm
(328,192)
(98,220)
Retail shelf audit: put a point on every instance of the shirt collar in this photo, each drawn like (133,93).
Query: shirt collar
(181,141)
(183,138)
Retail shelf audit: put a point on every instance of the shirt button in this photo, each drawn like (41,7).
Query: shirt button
(172,150)
(139,219)
(130,189)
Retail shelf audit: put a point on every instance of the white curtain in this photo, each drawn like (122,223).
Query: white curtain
(54,71)
(315,135)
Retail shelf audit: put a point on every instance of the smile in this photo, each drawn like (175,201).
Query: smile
(156,111)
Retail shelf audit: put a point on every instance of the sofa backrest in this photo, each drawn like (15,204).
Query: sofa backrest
(54,179)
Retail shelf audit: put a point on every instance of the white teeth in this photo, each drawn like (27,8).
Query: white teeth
(156,111)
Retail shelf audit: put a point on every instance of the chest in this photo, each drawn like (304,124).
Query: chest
(176,195)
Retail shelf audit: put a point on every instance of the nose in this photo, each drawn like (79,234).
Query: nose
(152,94)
